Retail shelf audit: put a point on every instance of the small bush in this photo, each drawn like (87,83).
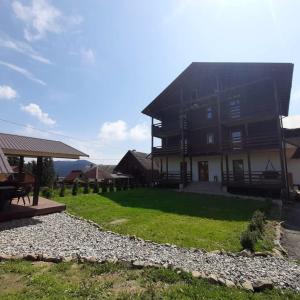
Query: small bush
(248,239)
(47,193)
(86,188)
(258,220)
(62,190)
(96,187)
(75,188)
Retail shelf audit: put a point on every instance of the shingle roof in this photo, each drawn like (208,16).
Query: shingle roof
(74,174)
(5,168)
(143,158)
(33,147)
(100,172)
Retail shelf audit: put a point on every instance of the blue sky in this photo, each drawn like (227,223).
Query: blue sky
(86,69)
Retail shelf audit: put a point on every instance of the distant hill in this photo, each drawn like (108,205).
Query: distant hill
(63,167)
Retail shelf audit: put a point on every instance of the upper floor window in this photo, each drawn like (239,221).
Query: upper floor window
(235,108)
(236,136)
(209,113)
(210,138)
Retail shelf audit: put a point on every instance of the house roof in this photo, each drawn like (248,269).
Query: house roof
(12,144)
(234,73)
(100,172)
(74,174)
(5,167)
(143,159)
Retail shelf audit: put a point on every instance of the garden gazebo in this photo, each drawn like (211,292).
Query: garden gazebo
(24,146)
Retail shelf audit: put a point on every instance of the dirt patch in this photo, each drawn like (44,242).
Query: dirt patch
(11,283)
(118,221)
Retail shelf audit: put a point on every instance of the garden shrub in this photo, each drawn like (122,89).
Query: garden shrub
(86,188)
(75,188)
(47,193)
(96,187)
(254,230)
(248,239)
(62,190)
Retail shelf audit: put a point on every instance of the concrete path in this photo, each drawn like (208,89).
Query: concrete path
(291,230)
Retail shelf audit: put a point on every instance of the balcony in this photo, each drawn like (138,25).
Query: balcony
(168,150)
(256,178)
(258,142)
(175,177)
(169,129)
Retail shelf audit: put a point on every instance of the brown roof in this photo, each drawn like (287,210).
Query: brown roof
(5,167)
(100,172)
(170,96)
(74,174)
(143,158)
(33,147)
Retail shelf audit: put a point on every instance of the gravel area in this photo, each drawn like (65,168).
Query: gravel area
(65,236)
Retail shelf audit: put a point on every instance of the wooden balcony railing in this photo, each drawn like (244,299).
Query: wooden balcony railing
(176,177)
(273,178)
(177,149)
(169,129)
(250,143)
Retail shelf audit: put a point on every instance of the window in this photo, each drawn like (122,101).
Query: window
(210,138)
(236,139)
(235,108)
(209,113)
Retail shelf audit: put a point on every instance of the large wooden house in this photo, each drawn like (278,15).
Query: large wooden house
(222,122)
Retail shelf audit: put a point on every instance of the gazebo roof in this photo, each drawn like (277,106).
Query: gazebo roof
(19,145)
(5,167)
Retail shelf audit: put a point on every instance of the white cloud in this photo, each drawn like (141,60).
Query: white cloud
(22,71)
(34,110)
(113,131)
(88,56)
(119,131)
(139,132)
(291,121)
(41,17)
(8,93)
(23,48)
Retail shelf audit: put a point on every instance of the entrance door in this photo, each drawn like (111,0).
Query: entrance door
(238,169)
(203,170)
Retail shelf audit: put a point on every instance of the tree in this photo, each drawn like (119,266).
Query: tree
(86,188)
(62,190)
(75,188)
(96,187)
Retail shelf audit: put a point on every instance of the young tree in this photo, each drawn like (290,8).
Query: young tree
(96,187)
(86,188)
(75,188)
(62,190)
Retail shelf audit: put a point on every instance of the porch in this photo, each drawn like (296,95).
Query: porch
(19,210)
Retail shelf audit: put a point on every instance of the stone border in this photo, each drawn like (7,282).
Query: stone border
(255,285)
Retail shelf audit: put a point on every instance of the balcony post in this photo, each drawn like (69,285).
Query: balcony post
(249,167)
(167,167)
(284,175)
(152,151)
(227,168)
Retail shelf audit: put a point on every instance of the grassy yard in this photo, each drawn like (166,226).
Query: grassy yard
(39,280)
(188,220)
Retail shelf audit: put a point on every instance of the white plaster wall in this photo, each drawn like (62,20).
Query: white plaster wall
(293,165)
(214,167)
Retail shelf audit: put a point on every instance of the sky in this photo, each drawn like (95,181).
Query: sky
(82,71)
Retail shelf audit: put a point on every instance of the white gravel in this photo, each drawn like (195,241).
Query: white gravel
(60,235)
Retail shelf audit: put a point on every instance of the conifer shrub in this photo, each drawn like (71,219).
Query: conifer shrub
(62,190)
(96,187)
(86,188)
(75,188)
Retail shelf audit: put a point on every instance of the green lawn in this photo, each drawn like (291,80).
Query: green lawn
(188,220)
(39,280)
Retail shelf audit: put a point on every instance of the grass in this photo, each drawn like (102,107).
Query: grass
(188,220)
(37,280)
